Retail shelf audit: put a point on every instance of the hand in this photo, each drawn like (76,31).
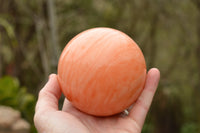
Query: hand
(49,119)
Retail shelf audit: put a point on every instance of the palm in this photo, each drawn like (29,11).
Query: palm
(113,124)
(49,119)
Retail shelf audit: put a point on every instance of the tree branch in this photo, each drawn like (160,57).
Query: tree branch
(55,49)
(42,51)
(0,57)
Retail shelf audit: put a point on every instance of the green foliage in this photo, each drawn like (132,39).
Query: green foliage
(190,128)
(17,97)
(9,30)
(148,128)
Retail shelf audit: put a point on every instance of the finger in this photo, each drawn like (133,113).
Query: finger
(67,105)
(139,111)
(49,95)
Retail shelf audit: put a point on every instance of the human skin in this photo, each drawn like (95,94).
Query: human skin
(49,119)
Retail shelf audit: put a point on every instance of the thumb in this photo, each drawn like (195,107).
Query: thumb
(49,95)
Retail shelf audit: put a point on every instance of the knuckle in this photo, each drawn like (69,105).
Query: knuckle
(142,105)
(43,94)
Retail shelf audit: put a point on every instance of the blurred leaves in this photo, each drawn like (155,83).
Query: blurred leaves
(8,90)
(17,97)
(9,30)
(190,128)
(7,53)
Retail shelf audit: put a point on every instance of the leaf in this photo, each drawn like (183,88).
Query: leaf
(8,89)
(7,53)
(17,97)
(9,29)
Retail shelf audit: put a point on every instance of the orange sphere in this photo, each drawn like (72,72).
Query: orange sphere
(102,71)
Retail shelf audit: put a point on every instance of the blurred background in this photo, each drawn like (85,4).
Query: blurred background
(34,32)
